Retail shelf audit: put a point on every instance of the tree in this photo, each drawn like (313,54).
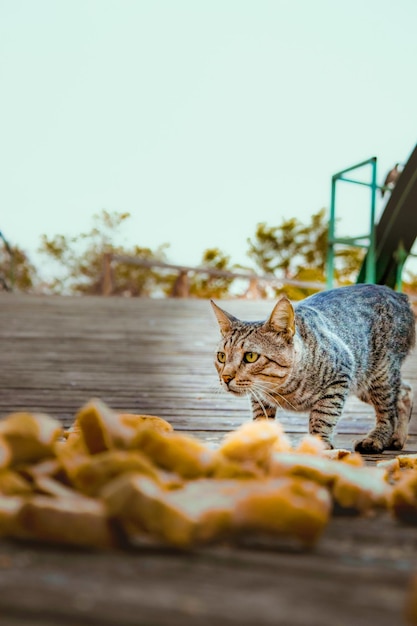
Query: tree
(80,260)
(409,284)
(298,251)
(275,247)
(313,243)
(16,271)
(207,286)
(348,261)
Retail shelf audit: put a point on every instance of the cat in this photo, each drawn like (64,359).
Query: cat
(311,356)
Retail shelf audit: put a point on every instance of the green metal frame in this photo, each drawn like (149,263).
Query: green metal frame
(401,255)
(363,241)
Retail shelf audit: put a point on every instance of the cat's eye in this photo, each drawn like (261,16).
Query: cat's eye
(221,357)
(250,357)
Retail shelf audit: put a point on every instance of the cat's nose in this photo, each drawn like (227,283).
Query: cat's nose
(227,378)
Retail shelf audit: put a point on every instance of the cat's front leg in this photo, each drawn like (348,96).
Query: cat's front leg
(262,411)
(325,414)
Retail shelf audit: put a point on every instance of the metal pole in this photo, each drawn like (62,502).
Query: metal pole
(370,265)
(354,167)
(370,274)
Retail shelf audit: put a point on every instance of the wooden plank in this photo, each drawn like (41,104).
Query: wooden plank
(156,356)
(348,580)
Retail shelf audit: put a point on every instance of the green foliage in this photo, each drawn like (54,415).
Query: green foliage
(291,246)
(314,243)
(207,286)
(306,274)
(348,262)
(274,247)
(80,260)
(409,282)
(141,281)
(292,251)
(16,270)
(298,251)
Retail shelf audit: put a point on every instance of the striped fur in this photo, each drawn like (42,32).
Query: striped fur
(310,357)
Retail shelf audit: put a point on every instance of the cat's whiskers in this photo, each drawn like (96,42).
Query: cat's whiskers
(274,401)
(263,387)
(272,385)
(259,400)
(287,401)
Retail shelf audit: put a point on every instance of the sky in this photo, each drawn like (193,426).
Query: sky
(201,118)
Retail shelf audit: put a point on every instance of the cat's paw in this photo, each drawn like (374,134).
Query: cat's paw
(396,443)
(324,441)
(369,445)
(328,444)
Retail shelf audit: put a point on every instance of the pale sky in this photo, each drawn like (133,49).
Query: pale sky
(199,117)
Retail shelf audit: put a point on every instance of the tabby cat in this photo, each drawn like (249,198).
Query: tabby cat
(311,356)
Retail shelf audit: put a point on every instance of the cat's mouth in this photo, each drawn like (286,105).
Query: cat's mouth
(235,388)
(237,392)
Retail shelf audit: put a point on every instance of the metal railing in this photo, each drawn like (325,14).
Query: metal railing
(366,241)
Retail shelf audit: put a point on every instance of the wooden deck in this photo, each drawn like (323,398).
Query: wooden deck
(155,356)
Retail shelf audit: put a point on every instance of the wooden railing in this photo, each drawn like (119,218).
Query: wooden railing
(181,285)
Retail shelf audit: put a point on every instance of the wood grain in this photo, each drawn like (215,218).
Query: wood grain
(155,356)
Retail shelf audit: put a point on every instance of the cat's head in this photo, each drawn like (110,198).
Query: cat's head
(255,357)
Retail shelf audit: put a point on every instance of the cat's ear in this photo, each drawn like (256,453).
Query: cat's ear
(225,319)
(282,317)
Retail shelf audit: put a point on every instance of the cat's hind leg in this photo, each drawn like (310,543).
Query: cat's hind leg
(404,409)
